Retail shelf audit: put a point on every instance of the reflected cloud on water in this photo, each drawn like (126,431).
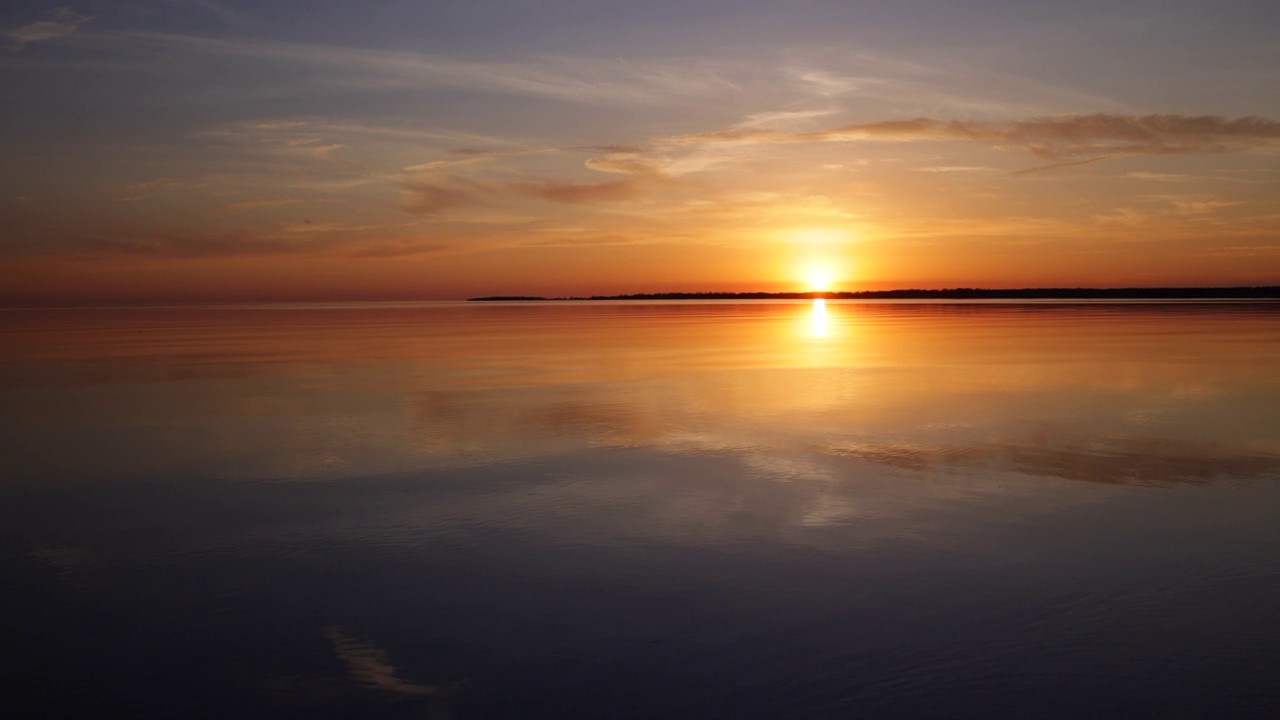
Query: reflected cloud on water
(370,668)
(1103,459)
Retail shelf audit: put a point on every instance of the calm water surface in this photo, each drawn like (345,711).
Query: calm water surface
(614,510)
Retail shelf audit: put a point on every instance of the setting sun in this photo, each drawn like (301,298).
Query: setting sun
(819,254)
(819,280)
(823,274)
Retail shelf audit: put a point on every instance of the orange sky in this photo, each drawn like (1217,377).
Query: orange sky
(216,161)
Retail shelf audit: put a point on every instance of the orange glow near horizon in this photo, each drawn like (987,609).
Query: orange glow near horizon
(743,235)
(736,241)
(589,270)
(955,178)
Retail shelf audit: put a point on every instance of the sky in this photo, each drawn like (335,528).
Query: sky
(217,150)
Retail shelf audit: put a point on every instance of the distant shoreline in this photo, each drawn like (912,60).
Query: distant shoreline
(1203,293)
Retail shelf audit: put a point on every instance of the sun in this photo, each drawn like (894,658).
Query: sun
(820,256)
(823,275)
(819,279)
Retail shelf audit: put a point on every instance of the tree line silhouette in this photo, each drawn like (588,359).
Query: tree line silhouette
(1164,293)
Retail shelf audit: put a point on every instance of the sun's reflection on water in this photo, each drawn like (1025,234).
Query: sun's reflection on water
(820,326)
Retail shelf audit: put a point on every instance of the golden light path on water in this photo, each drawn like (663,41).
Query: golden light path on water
(819,323)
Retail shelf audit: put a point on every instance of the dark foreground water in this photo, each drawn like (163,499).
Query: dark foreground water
(770,510)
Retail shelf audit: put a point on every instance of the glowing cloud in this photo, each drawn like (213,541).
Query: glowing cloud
(65,21)
(1068,139)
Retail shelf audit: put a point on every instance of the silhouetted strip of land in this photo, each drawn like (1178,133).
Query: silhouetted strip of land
(1203,293)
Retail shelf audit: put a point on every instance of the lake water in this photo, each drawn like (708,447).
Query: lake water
(629,510)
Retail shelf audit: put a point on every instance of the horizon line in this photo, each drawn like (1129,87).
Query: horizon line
(1243,292)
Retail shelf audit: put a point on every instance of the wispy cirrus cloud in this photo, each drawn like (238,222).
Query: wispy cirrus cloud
(1064,139)
(581,80)
(611,148)
(177,244)
(1158,177)
(1190,206)
(776,119)
(442,193)
(439,188)
(324,241)
(1184,212)
(955,169)
(578,193)
(65,21)
(243,206)
(643,174)
(437,193)
(218,10)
